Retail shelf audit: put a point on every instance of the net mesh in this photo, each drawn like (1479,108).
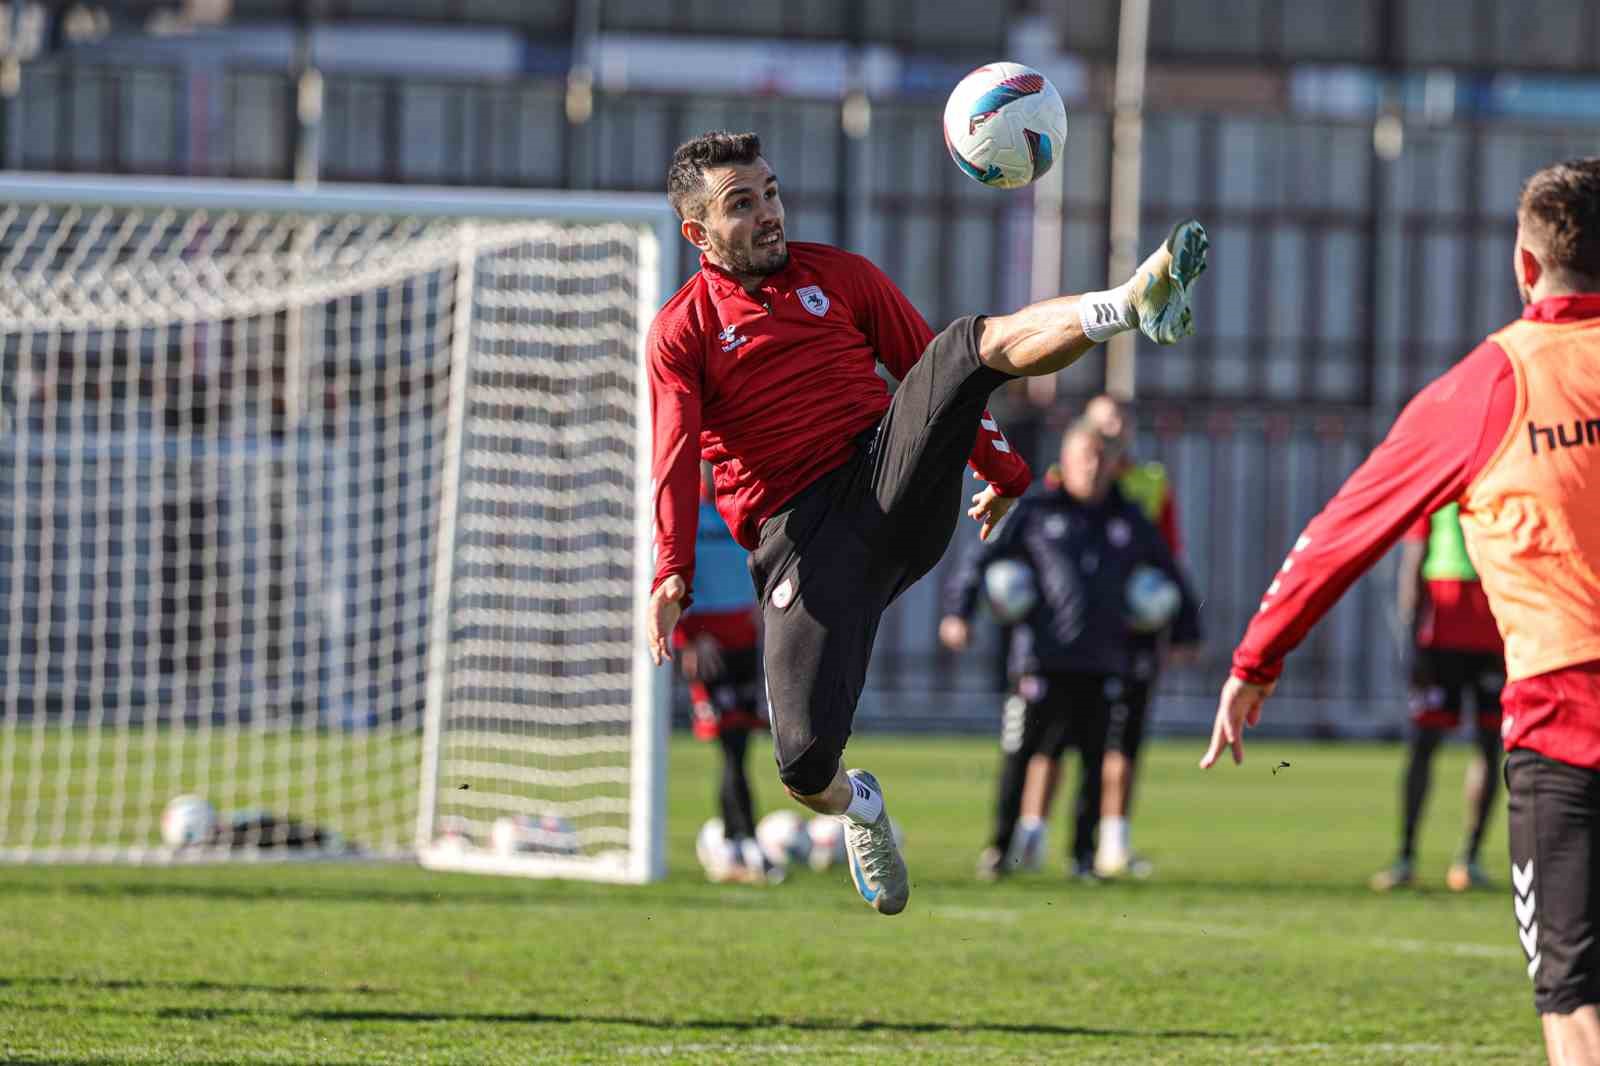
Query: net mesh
(223,449)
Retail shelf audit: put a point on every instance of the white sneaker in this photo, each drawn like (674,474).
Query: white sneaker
(876,867)
(1160,287)
(1112,864)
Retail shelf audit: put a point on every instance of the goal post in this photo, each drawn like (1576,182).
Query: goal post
(331,507)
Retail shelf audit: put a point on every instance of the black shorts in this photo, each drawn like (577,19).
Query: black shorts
(1127,706)
(1554,820)
(839,553)
(1442,680)
(1556,876)
(730,702)
(1050,713)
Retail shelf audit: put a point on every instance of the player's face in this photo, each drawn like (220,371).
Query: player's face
(1085,473)
(1106,415)
(743,228)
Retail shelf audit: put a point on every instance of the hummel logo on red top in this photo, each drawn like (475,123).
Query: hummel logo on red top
(730,339)
(1556,436)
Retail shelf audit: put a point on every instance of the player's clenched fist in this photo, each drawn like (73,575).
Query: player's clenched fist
(666,604)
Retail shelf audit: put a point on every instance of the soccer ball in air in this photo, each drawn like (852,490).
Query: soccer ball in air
(1005,125)
(1153,599)
(784,838)
(188,820)
(1010,589)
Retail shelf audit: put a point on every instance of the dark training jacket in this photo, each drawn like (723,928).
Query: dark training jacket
(1081,557)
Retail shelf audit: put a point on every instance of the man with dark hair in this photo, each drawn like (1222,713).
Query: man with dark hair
(1071,655)
(763,365)
(1512,435)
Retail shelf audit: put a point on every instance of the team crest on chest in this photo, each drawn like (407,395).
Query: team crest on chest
(813,299)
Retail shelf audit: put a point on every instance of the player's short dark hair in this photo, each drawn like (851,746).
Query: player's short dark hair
(1560,211)
(686,183)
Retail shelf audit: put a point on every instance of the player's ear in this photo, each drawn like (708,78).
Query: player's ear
(1528,266)
(694,231)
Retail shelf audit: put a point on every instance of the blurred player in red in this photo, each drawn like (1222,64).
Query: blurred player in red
(1456,655)
(719,655)
(1512,434)
(764,364)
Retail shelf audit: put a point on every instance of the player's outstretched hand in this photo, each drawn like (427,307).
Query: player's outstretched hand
(666,604)
(1239,706)
(988,507)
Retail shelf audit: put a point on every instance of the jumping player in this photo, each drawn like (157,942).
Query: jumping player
(1455,655)
(763,364)
(1512,434)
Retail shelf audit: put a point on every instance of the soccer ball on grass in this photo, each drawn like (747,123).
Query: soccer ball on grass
(188,820)
(784,838)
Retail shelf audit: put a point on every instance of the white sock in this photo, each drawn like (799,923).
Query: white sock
(866,803)
(1114,835)
(1105,314)
(1030,823)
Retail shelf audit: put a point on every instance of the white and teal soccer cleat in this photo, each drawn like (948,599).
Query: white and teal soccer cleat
(1160,287)
(876,867)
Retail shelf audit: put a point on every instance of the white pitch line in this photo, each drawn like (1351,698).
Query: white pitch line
(1202,929)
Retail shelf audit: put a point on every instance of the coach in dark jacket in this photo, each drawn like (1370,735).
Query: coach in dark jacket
(1082,541)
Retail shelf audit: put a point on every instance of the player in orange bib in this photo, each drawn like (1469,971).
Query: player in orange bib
(1512,435)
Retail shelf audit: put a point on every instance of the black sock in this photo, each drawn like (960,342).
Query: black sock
(1489,745)
(1414,794)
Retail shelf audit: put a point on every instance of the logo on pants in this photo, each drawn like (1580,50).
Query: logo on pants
(1522,900)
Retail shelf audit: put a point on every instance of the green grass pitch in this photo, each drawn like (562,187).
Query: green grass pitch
(1257,941)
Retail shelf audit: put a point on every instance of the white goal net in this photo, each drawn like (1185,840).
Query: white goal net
(326,508)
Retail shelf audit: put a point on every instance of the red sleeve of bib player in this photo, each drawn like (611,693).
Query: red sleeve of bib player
(898,334)
(1439,443)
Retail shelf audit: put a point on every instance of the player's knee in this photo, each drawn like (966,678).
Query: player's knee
(811,771)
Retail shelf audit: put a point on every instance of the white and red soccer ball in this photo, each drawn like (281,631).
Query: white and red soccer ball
(188,821)
(1005,125)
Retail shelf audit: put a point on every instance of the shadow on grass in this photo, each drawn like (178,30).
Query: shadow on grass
(762,1023)
(115,985)
(679,893)
(687,894)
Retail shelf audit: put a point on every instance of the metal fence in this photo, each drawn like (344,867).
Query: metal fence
(1343,280)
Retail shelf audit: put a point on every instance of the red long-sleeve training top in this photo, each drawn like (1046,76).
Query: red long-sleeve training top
(773,386)
(1438,445)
